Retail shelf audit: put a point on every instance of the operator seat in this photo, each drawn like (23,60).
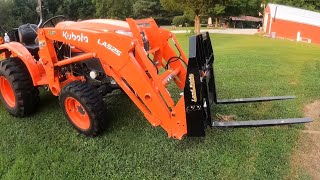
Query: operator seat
(27,36)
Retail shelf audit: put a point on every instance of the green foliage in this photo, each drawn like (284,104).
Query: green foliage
(77,9)
(189,14)
(243,7)
(119,9)
(179,20)
(198,7)
(152,8)
(25,10)
(17,12)
(146,8)
(313,5)
(7,20)
(51,8)
(217,10)
(172,5)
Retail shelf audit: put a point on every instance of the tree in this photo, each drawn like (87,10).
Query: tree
(146,8)
(7,20)
(152,8)
(197,7)
(17,12)
(243,7)
(51,8)
(217,11)
(77,9)
(25,11)
(310,5)
(119,9)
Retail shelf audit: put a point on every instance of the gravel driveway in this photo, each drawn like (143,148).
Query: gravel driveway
(222,31)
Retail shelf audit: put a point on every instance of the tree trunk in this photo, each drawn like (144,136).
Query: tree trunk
(216,24)
(197,24)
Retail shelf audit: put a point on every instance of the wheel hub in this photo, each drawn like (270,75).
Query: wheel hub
(81,110)
(7,92)
(77,114)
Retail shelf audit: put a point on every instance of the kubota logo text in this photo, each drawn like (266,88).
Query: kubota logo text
(75,37)
(110,47)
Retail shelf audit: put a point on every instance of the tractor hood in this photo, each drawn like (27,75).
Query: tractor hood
(104,25)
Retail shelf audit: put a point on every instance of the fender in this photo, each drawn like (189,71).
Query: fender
(15,49)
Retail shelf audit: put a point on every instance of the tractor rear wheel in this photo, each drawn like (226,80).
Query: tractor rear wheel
(84,107)
(17,92)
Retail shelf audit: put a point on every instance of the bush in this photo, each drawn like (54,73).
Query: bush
(179,20)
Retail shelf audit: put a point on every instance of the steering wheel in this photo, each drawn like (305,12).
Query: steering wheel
(52,22)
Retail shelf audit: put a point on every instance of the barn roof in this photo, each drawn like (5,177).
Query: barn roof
(294,14)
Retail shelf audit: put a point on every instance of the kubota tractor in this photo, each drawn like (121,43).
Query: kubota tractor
(82,61)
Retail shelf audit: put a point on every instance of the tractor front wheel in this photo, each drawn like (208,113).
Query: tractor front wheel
(84,107)
(17,92)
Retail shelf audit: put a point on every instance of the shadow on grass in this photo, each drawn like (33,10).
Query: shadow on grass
(117,104)
(189,143)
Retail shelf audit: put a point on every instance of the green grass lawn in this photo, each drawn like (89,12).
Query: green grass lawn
(45,146)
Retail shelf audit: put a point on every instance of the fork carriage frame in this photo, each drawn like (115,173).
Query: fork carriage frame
(201,101)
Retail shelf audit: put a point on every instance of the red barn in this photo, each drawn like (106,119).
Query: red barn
(292,23)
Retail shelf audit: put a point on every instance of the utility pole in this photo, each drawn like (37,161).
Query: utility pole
(39,11)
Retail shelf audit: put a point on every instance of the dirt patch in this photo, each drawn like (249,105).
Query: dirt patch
(225,117)
(312,110)
(306,157)
(293,82)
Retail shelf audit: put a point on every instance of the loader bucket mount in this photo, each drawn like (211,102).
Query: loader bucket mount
(200,93)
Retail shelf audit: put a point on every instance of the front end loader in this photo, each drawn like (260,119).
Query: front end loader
(80,62)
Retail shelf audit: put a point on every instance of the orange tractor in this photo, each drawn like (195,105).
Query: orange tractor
(82,61)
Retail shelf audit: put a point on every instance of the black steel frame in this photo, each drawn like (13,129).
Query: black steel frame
(200,92)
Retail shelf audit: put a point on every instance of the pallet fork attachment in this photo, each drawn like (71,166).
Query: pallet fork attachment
(200,93)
